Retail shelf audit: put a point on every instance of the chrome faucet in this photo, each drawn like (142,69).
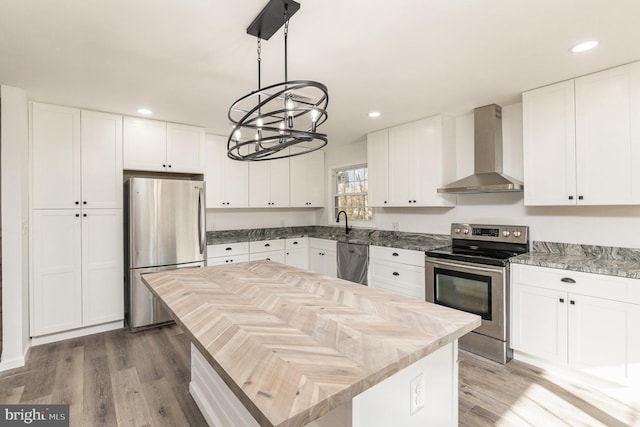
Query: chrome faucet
(346,221)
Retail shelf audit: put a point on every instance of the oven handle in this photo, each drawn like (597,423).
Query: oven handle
(465,265)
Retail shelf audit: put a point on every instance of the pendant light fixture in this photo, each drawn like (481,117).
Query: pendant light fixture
(270,120)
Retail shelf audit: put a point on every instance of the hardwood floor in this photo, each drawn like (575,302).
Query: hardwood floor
(123,379)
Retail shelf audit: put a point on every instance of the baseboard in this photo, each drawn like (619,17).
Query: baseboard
(61,336)
(16,362)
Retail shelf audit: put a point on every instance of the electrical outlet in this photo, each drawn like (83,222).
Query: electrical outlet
(395,226)
(417,394)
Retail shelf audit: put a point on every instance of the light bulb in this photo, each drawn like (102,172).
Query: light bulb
(314,119)
(237,135)
(281,127)
(259,122)
(290,104)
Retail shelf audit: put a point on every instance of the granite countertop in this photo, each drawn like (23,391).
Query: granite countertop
(610,261)
(292,344)
(399,240)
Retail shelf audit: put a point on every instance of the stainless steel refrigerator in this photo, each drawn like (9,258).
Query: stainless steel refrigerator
(164,230)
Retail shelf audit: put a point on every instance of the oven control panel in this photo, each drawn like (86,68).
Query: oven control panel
(493,233)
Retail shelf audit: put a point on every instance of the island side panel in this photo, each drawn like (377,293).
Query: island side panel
(385,404)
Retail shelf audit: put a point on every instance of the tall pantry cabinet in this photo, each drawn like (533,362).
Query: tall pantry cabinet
(76,219)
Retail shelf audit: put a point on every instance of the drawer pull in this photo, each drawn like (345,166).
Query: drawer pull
(572,302)
(567,280)
(266,245)
(295,243)
(268,259)
(395,273)
(227,249)
(395,254)
(561,299)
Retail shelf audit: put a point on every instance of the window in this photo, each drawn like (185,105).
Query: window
(351,185)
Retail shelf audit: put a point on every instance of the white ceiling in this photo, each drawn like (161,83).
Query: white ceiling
(188,60)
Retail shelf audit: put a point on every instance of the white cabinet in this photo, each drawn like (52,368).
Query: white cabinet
(270,250)
(587,322)
(549,145)
(77,272)
(598,163)
(307,179)
(76,158)
(226,253)
(421,158)
(378,168)
(152,145)
(397,270)
(102,266)
(227,180)
(56,275)
(323,256)
(269,184)
(297,252)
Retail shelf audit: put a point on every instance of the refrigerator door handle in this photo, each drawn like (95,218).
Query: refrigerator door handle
(201,217)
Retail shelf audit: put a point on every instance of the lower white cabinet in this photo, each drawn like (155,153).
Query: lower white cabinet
(77,269)
(397,270)
(323,256)
(226,253)
(587,322)
(297,252)
(270,250)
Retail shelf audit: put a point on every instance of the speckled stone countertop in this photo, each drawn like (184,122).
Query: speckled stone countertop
(398,240)
(610,261)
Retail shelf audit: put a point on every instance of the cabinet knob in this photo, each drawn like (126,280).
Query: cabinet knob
(77,215)
(580,198)
(568,280)
(414,201)
(395,254)
(77,203)
(169,165)
(164,166)
(84,215)
(84,203)
(230,260)
(268,259)
(226,260)
(385,202)
(287,253)
(570,197)
(572,302)
(395,273)
(223,203)
(227,203)
(561,299)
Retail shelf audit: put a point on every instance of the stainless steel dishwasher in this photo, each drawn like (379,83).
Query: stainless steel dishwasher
(353,262)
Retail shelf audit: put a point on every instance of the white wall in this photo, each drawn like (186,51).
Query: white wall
(15,222)
(596,225)
(231,219)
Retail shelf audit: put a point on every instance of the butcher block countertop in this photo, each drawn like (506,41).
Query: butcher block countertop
(293,344)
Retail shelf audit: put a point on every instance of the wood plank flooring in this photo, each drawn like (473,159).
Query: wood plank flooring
(128,380)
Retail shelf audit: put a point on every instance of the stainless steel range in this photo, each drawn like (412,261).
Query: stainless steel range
(473,275)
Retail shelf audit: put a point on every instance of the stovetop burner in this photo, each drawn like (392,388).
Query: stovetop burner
(484,244)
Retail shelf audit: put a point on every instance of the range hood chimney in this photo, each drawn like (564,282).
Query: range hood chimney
(488,176)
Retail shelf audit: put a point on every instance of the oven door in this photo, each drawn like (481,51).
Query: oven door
(474,288)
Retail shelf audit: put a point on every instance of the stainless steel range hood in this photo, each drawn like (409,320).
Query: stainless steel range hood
(488,176)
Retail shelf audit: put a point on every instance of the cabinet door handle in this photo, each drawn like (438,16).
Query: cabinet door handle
(572,302)
(395,254)
(567,280)
(570,197)
(395,273)
(228,249)
(295,243)
(267,244)
(562,300)
(77,215)
(580,198)
(268,259)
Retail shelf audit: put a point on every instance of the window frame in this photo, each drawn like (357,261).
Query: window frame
(333,185)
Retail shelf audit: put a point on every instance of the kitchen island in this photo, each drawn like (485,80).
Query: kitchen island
(274,345)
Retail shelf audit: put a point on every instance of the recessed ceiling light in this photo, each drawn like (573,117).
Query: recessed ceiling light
(145,111)
(583,47)
(374,114)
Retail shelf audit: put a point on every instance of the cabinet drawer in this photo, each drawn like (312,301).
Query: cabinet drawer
(403,256)
(323,244)
(296,243)
(596,285)
(227,260)
(266,245)
(277,256)
(227,249)
(403,279)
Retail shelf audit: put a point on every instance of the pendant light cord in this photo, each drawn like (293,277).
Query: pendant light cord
(286,34)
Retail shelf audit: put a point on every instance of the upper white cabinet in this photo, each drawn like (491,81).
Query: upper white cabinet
(151,145)
(582,140)
(269,184)
(421,158)
(227,179)
(378,167)
(76,158)
(307,179)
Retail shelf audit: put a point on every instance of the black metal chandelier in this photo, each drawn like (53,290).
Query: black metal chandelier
(269,120)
